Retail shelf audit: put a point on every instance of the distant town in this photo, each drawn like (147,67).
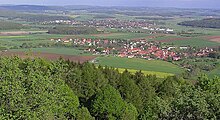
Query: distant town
(115,24)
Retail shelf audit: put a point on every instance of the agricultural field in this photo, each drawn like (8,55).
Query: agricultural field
(196,42)
(203,41)
(19,39)
(84,17)
(158,74)
(200,41)
(178,28)
(11,41)
(214,73)
(48,56)
(213,38)
(140,64)
(182,36)
(57,50)
(117,35)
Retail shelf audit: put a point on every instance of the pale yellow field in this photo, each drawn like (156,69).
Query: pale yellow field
(158,74)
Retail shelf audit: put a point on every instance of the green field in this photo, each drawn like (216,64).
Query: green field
(140,64)
(178,28)
(115,35)
(215,72)
(64,51)
(195,42)
(166,37)
(159,68)
(189,41)
(10,41)
(45,38)
(19,40)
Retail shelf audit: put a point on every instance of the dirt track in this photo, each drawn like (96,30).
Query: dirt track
(49,56)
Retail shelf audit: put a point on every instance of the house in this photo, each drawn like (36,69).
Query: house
(130,56)
(170,48)
(134,50)
(145,28)
(122,55)
(169,30)
(143,53)
(66,41)
(183,48)
(176,58)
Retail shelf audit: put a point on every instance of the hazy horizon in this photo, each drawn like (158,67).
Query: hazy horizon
(130,3)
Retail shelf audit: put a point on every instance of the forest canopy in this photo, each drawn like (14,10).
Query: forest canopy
(41,89)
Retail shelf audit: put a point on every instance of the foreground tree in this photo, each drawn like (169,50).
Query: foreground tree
(40,89)
(130,91)
(30,90)
(190,104)
(83,114)
(108,104)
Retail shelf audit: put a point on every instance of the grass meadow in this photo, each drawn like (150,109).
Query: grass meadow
(140,64)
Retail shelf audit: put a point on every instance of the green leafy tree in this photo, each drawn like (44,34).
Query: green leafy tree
(130,91)
(190,104)
(86,81)
(108,102)
(29,89)
(83,114)
(168,88)
(130,113)
(156,109)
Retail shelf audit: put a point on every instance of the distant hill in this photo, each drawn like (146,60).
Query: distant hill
(124,10)
(19,14)
(28,7)
(40,7)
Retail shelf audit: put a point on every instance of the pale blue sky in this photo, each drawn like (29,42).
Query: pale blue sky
(148,3)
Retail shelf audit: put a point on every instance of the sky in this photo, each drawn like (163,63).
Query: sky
(147,3)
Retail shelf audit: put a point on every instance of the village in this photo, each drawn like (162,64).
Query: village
(141,48)
(107,23)
(152,27)
(121,24)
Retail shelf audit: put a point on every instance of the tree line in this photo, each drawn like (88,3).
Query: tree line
(72,30)
(206,23)
(4,25)
(41,89)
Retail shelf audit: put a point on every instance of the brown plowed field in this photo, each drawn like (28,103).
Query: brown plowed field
(14,33)
(49,56)
(17,33)
(213,38)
